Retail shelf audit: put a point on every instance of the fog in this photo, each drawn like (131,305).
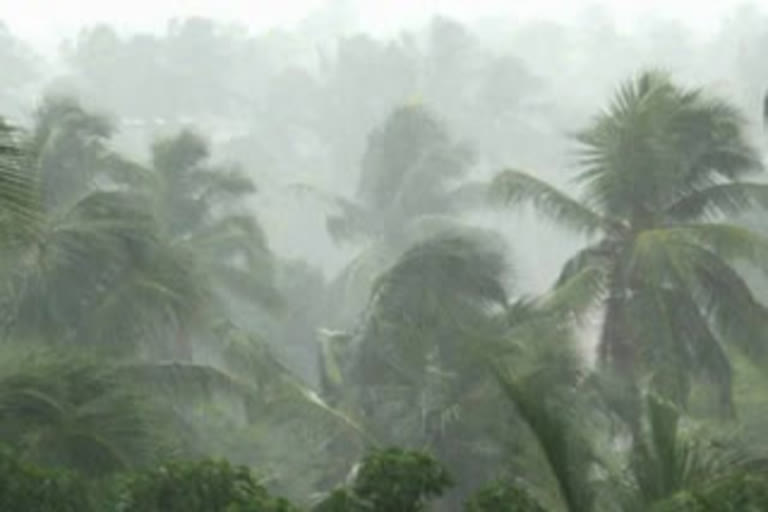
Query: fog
(323,227)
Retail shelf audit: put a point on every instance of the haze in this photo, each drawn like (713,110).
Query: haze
(392,256)
(44,22)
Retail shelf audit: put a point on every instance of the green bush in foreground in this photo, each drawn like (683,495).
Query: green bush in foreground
(502,497)
(203,486)
(741,492)
(391,480)
(29,489)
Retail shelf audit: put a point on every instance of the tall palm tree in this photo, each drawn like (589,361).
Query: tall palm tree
(412,185)
(126,254)
(202,214)
(68,410)
(417,368)
(659,173)
(96,270)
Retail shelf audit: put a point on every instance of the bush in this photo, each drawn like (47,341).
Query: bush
(742,492)
(391,480)
(29,489)
(203,486)
(502,497)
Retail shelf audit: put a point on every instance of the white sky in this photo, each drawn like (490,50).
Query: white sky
(46,21)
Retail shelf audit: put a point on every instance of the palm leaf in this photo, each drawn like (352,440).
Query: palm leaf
(719,200)
(19,194)
(568,456)
(517,188)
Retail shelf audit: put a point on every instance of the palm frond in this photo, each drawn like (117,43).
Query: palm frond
(20,209)
(65,409)
(657,252)
(567,453)
(353,220)
(719,200)
(517,188)
(658,144)
(474,264)
(666,462)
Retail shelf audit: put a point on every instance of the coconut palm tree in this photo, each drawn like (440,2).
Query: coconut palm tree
(202,215)
(659,173)
(96,269)
(412,182)
(68,410)
(417,368)
(126,254)
(123,264)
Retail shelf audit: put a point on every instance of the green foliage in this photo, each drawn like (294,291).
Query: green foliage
(19,194)
(340,500)
(23,487)
(546,403)
(391,480)
(660,173)
(203,486)
(106,258)
(746,492)
(503,497)
(394,480)
(75,412)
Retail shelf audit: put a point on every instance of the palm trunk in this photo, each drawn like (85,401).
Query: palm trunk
(617,351)
(615,348)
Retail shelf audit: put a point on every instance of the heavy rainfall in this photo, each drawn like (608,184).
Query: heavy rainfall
(358,256)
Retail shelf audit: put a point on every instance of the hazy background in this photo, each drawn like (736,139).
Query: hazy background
(44,22)
(291,89)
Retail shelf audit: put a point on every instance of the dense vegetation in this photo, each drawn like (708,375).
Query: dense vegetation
(157,353)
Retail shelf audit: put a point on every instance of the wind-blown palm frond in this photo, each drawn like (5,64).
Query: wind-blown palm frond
(517,188)
(539,401)
(665,461)
(20,213)
(65,410)
(452,264)
(658,143)
(351,222)
(718,201)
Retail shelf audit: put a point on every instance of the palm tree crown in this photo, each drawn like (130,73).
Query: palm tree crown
(659,172)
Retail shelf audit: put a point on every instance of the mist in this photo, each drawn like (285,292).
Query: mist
(384,256)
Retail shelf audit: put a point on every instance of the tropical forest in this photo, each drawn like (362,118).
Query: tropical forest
(499,265)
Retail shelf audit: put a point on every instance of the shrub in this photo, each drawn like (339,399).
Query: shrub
(202,486)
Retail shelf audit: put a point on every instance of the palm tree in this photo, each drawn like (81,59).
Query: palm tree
(201,214)
(70,149)
(96,269)
(417,368)
(125,254)
(412,182)
(136,258)
(660,171)
(68,410)
(571,461)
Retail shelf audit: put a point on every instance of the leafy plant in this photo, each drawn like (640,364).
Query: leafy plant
(24,487)
(390,480)
(503,497)
(202,486)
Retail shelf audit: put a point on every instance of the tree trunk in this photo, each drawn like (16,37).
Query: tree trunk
(616,349)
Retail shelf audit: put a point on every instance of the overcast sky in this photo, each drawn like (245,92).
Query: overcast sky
(46,21)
